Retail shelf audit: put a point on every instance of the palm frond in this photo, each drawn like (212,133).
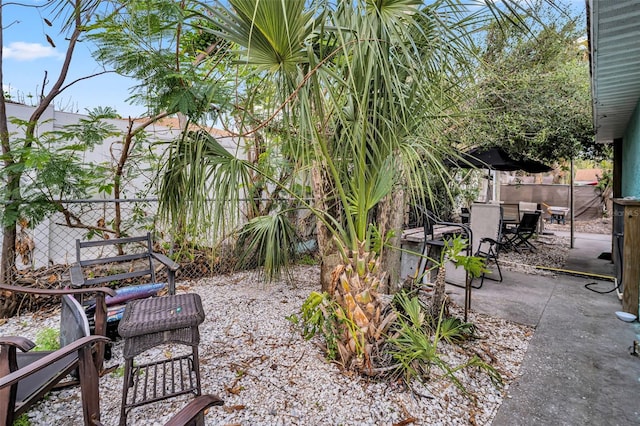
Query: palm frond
(270,242)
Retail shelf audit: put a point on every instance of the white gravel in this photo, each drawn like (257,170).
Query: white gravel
(267,374)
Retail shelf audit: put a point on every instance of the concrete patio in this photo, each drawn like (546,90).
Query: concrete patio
(578,369)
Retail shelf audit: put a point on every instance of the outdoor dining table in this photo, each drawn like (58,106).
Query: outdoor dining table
(558,214)
(416,235)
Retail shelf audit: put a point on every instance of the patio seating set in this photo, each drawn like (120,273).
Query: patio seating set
(494,228)
(89,313)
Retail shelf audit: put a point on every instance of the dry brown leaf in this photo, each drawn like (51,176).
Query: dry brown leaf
(235,390)
(472,418)
(404,422)
(232,408)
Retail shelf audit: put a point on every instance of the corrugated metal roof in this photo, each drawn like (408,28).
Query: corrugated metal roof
(615,64)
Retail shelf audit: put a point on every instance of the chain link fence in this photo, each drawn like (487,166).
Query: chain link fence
(45,252)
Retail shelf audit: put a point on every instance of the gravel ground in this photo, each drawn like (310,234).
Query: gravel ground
(552,250)
(595,226)
(268,374)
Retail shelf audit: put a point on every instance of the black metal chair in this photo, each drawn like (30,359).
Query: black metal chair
(465,215)
(432,246)
(519,237)
(488,250)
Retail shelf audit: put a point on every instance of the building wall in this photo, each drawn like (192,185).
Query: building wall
(53,241)
(631,157)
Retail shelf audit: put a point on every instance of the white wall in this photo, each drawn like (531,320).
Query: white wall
(53,242)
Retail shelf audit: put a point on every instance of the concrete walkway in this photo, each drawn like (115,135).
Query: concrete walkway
(578,369)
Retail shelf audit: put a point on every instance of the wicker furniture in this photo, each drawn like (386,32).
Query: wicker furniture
(119,263)
(148,323)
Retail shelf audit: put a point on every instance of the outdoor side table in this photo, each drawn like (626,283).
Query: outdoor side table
(148,323)
(558,214)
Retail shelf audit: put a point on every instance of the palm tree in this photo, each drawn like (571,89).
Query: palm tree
(362,91)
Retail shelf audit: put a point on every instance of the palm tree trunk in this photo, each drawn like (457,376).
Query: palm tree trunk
(439,295)
(391,217)
(328,254)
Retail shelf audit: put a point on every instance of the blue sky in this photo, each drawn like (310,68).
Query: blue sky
(28,54)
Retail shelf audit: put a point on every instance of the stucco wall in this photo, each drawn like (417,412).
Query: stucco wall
(586,200)
(54,242)
(631,157)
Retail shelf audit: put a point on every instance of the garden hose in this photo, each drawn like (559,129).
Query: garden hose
(588,286)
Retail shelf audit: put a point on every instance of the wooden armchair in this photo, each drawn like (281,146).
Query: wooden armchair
(193,413)
(12,377)
(27,376)
(22,386)
(74,323)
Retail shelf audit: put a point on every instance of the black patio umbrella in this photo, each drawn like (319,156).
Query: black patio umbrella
(498,159)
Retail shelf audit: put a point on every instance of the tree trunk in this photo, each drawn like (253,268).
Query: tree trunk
(7,257)
(328,264)
(439,296)
(12,191)
(329,259)
(8,305)
(391,217)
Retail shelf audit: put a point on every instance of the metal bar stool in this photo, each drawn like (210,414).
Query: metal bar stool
(151,322)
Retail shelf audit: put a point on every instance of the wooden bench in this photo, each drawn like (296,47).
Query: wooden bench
(119,262)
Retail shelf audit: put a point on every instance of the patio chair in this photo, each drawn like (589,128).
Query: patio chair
(464,215)
(518,237)
(432,246)
(488,250)
(510,214)
(487,225)
(27,376)
(193,413)
(121,269)
(14,377)
(40,376)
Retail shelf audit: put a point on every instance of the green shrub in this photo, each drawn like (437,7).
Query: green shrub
(23,420)
(47,339)
(415,343)
(319,315)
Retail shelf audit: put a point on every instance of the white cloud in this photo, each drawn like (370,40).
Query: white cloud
(22,51)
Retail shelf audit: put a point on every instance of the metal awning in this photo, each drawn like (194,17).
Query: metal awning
(614,34)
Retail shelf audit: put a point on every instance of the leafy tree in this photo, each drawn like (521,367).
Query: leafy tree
(40,169)
(17,153)
(55,169)
(178,69)
(532,95)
